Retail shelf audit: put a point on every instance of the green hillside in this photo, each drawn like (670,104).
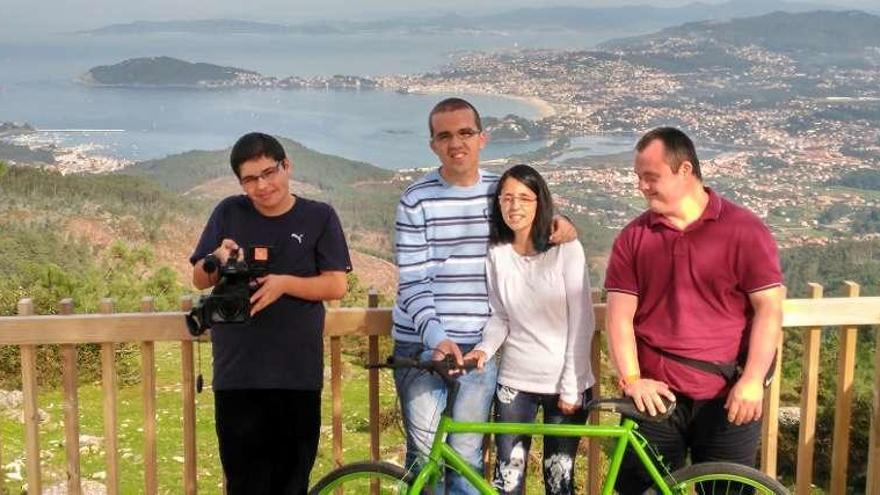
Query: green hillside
(47,196)
(184,171)
(48,255)
(826,36)
(364,195)
(161,71)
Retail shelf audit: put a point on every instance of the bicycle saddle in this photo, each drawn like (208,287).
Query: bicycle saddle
(626,407)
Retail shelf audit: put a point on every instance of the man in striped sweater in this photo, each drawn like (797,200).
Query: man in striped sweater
(442,234)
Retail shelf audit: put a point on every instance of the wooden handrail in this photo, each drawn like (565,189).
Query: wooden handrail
(170,326)
(29,331)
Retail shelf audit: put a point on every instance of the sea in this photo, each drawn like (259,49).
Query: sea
(386,128)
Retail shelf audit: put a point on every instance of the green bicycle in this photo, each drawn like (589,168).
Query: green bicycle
(387,478)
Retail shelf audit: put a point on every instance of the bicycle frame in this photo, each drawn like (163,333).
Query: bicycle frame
(442,454)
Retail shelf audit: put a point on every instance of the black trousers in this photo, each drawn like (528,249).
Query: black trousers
(698,427)
(268,439)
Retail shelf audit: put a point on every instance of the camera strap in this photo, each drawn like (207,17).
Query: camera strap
(730,371)
(200,382)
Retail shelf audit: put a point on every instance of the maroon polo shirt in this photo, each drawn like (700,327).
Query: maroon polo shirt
(693,287)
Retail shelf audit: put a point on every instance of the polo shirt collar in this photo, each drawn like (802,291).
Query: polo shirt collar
(711,212)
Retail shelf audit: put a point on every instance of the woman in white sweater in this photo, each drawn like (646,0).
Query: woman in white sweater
(542,322)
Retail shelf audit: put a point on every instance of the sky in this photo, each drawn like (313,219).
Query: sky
(29,16)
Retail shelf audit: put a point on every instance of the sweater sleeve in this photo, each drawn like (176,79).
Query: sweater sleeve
(414,294)
(581,323)
(497,328)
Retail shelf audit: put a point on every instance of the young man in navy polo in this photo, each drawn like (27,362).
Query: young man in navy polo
(268,371)
(695,279)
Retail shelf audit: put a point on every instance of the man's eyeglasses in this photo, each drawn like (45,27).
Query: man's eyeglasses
(266,175)
(464,134)
(509,199)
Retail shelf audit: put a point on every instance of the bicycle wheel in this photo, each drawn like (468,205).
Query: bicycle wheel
(722,478)
(378,478)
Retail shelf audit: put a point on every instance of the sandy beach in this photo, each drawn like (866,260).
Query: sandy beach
(545,109)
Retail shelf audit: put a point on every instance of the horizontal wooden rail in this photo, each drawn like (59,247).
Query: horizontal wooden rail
(28,331)
(140,327)
(158,327)
(831,312)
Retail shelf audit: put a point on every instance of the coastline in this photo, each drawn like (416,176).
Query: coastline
(544,108)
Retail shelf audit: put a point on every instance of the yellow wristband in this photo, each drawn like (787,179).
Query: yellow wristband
(629,379)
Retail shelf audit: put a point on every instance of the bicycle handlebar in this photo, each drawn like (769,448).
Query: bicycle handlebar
(446,367)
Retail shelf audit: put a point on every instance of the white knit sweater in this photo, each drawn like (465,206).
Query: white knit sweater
(542,318)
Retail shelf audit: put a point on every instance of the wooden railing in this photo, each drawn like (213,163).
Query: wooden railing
(807,316)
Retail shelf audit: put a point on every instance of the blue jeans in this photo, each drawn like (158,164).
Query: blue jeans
(516,406)
(423,398)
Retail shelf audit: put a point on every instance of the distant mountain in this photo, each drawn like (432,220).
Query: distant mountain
(15,128)
(822,30)
(827,37)
(161,71)
(641,16)
(627,19)
(207,26)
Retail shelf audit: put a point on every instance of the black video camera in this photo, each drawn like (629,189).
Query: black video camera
(230,301)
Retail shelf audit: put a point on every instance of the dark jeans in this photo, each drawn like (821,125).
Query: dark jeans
(268,439)
(696,426)
(515,406)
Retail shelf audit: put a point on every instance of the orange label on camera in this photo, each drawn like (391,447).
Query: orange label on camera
(261,254)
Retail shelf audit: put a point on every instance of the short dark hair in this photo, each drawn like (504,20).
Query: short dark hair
(451,105)
(679,148)
(500,233)
(255,145)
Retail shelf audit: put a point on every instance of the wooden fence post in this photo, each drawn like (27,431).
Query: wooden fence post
(770,423)
(373,379)
(594,478)
(336,392)
(31,407)
(148,388)
(108,385)
(809,393)
(843,403)
(70,406)
(873,487)
(188,389)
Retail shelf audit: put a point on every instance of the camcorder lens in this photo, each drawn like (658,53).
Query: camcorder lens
(232,309)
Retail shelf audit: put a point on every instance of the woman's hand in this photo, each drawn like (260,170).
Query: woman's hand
(478,356)
(567,408)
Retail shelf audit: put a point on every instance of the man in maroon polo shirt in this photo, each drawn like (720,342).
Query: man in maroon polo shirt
(694,277)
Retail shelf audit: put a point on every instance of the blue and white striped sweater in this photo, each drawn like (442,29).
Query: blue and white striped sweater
(441,237)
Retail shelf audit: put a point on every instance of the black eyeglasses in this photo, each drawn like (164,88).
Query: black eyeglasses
(464,134)
(266,175)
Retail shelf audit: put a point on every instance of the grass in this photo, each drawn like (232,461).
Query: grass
(169,422)
(170,430)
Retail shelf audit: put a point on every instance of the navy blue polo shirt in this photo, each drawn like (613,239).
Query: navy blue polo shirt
(281,347)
